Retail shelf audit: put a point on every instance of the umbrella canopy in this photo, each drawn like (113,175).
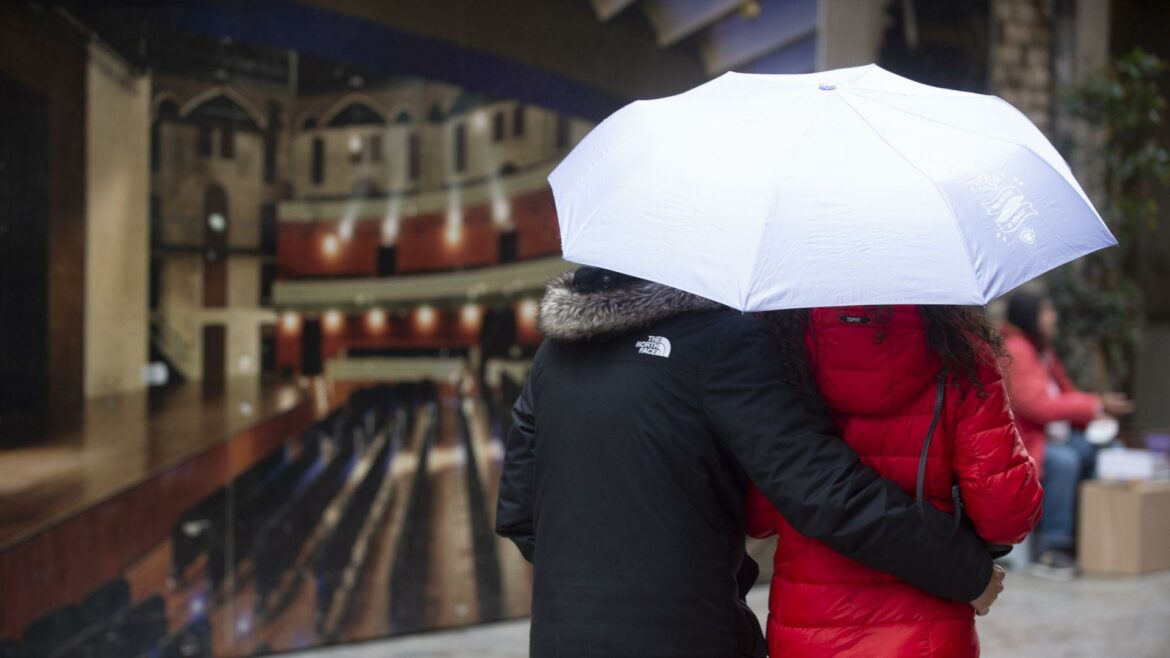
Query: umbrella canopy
(853,186)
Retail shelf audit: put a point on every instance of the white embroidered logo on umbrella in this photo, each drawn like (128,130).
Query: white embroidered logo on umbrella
(1008,205)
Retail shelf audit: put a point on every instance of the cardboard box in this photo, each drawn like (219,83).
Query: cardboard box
(1126,464)
(1124,527)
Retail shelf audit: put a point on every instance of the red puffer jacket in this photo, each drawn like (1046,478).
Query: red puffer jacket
(880,379)
(1029,373)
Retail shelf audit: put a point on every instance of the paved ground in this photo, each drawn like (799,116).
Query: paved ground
(1089,618)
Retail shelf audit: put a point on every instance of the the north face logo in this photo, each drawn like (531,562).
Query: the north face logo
(655,346)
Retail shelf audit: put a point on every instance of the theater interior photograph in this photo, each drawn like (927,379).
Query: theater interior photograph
(271,282)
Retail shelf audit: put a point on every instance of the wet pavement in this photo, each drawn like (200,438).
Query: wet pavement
(1091,617)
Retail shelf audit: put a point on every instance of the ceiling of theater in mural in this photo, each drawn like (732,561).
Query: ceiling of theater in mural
(583,57)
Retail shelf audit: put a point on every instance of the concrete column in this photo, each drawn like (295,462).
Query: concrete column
(849,32)
(1092,36)
(117,153)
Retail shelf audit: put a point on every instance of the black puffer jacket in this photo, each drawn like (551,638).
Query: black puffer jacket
(644,416)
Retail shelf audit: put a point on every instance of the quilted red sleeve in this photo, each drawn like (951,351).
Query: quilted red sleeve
(762,517)
(998,479)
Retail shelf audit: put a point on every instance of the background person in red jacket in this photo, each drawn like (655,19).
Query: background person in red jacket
(1051,414)
(878,370)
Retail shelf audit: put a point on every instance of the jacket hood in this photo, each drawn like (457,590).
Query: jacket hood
(567,314)
(870,361)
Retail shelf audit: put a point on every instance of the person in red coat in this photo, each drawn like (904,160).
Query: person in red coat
(881,371)
(1051,413)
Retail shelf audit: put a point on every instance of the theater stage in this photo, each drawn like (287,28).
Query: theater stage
(79,506)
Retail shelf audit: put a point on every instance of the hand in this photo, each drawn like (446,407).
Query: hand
(1116,404)
(982,604)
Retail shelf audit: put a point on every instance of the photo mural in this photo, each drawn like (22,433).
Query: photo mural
(413,227)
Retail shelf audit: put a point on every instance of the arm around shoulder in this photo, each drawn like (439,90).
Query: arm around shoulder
(817,482)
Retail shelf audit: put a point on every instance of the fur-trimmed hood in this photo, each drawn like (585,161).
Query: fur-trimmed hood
(569,315)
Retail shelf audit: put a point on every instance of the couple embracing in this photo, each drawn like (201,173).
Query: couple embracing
(658,427)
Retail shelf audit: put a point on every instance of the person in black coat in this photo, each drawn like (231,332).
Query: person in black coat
(646,413)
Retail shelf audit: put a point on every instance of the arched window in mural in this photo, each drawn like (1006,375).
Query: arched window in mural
(356,114)
(227,141)
(414,156)
(317,168)
(215,246)
(436,113)
(518,121)
(222,109)
(498,127)
(168,110)
(309,124)
(376,147)
(404,117)
(203,139)
(226,116)
(271,135)
(460,148)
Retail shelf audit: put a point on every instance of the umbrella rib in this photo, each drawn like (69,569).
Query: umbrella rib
(979,133)
(799,143)
(932,182)
(933,92)
(751,286)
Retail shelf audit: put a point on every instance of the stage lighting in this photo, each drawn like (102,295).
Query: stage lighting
(501,210)
(529,310)
(376,320)
(454,234)
(290,322)
(331,245)
(389,230)
(425,319)
(471,317)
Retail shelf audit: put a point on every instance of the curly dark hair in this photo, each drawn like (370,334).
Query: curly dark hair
(961,336)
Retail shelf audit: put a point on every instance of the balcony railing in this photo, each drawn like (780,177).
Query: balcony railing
(401,370)
(482,191)
(483,284)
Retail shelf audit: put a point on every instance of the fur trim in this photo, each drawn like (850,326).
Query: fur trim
(568,315)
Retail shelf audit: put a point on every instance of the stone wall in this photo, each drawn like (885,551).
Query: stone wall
(1020,56)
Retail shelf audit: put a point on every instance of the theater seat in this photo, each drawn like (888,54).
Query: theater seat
(107,602)
(94,643)
(193,641)
(143,628)
(54,629)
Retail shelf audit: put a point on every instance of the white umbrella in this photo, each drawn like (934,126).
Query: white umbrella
(853,186)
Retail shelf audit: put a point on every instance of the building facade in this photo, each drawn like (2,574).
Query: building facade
(287,230)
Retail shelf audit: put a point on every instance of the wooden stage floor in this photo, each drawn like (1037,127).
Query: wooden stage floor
(122,442)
